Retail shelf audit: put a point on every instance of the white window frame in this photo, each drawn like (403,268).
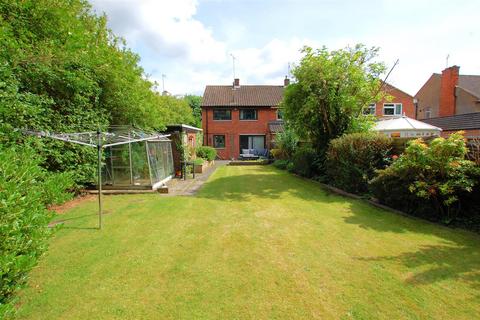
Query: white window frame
(371,109)
(394,107)
(428,113)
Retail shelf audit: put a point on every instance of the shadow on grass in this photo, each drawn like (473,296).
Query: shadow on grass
(444,262)
(458,258)
(269,184)
(72,223)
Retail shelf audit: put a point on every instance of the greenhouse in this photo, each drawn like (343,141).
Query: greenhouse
(128,158)
(143,164)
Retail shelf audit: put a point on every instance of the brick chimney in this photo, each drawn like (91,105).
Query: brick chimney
(286,81)
(448,99)
(236,83)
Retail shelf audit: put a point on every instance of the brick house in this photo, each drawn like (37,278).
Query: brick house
(239,117)
(401,103)
(451,101)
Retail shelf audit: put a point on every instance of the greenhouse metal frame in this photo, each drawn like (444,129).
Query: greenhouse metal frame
(127,146)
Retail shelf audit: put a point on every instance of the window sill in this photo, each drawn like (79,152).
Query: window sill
(222,120)
(248,120)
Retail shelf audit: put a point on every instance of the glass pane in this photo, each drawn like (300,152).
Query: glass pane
(388,111)
(220,114)
(219,141)
(248,114)
(398,108)
(141,174)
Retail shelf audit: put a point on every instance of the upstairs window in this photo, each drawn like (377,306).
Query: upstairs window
(279,114)
(248,114)
(222,114)
(371,109)
(428,113)
(392,109)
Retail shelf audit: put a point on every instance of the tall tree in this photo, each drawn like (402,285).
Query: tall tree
(330,92)
(195,103)
(63,70)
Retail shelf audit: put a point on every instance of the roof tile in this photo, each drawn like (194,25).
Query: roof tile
(456,122)
(243,96)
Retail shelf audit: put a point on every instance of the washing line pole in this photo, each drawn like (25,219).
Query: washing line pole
(99,167)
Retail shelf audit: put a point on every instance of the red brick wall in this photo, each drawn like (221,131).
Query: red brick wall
(398,97)
(232,129)
(447,91)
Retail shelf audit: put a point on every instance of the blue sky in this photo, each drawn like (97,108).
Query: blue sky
(191,41)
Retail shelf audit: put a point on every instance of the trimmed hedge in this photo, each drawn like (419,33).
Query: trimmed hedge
(207,153)
(352,159)
(304,162)
(26,191)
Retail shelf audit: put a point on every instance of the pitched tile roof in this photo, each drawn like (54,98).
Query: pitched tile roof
(276,126)
(470,83)
(243,96)
(456,122)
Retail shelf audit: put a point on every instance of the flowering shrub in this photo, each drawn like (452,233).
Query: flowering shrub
(429,181)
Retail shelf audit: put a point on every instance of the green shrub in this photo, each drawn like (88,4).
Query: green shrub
(198,161)
(286,142)
(207,153)
(432,181)
(278,154)
(304,162)
(281,164)
(352,159)
(26,191)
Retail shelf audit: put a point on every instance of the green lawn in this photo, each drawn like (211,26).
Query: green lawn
(255,243)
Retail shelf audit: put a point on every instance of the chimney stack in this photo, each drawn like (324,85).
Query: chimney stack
(448,83)
(236,83)
(286,81)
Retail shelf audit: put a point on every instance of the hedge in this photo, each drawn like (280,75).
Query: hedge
(26,191)
(352,159)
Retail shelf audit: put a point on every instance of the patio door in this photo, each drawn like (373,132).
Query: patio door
(256,142)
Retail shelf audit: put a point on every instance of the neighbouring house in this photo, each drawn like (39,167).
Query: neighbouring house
(237,117)
(395,104)
(451,101)
(184,139)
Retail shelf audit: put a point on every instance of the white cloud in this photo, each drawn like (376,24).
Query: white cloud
(167,27)
(172,40)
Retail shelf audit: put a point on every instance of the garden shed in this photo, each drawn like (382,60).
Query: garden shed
(184,140)
(405,127)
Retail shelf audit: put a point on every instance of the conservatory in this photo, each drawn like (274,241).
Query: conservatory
(405,127)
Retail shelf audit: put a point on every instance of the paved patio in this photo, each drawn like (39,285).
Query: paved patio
(180,187)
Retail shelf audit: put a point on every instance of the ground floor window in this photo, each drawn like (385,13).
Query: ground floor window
(219,141)
(256,142)
(392,109)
